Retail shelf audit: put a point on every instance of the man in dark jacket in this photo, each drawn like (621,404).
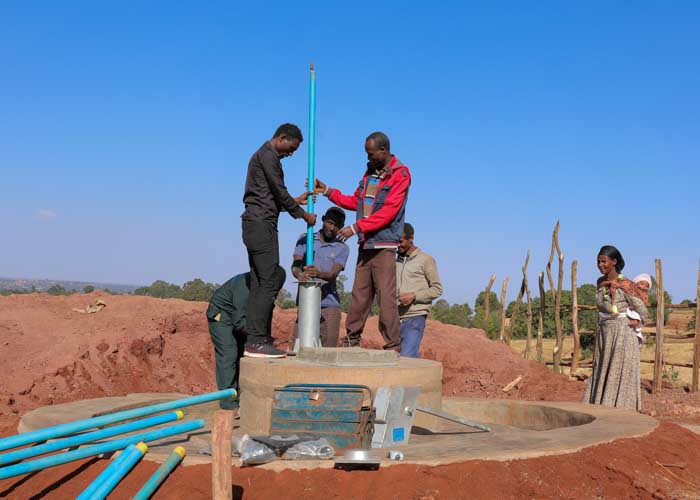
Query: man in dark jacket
(227,317)
(265,197)
(380,205)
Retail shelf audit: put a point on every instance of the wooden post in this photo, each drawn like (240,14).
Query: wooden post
(540,320)
(556,292)
(516,306)
(574,318)
(487,300)
(529,318)
(221,484)
(504,287)
(659,355)
(696,349)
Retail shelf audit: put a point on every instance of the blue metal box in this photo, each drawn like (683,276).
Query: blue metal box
(341,413)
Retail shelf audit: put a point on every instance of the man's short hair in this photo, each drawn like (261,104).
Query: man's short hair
(381,140)
(289,130)
(408,230)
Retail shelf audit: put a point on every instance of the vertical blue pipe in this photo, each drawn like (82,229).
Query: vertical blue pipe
(110,477)
(89,437)
(312,164)
(97,449)
(161,474)
(80,425)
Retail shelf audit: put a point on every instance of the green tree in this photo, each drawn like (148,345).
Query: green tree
(284,300)
(455,314)
(344,295)
(57,290)
(197,290)
(160,289)
(494,313)
(88,289)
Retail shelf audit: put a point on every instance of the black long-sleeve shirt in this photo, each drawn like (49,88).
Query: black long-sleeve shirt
(265,193)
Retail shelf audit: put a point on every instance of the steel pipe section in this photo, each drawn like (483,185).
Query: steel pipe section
(309,315)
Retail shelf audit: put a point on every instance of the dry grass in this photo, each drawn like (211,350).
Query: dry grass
(673,353)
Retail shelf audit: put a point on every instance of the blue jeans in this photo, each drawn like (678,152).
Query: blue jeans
(411,335)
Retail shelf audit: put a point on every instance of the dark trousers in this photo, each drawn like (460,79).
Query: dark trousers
(260,239)
(228,350)
(375,274)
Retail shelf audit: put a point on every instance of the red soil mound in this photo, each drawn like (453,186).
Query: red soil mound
(140,344)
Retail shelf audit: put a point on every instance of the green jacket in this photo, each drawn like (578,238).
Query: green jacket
(229,304)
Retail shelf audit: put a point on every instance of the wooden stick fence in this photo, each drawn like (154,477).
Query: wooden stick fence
(505,335)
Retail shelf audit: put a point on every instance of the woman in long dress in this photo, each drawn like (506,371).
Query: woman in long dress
(615,377)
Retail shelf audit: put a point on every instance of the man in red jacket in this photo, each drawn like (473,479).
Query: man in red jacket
(380,205)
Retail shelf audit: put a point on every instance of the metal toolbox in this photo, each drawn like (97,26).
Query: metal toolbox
(341,413)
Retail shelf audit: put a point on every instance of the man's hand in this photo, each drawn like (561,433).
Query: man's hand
(320,187)
(406,299)
(303,199)
(345,233)
(309,218)
(312,271)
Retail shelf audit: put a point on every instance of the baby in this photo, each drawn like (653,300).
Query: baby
(643,281)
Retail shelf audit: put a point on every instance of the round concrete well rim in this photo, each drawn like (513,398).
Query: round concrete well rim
(450,443)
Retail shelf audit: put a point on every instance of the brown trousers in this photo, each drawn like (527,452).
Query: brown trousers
(330,327)
(375,274)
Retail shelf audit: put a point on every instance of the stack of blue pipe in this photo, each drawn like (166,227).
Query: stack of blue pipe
(9,467)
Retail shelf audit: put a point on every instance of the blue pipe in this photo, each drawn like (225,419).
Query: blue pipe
(311,175)
(32,451)
(115,472)
(97,449)
(161,474)
(80,425)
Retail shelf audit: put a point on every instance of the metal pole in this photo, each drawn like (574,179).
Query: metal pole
(161,474)
(311,176)
(453,418)
(97,449)
(115,472)
(80,425)
(32,451)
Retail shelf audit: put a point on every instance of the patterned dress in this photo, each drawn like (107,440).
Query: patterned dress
(615,377)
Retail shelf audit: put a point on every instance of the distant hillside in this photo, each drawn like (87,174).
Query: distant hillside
(27,285)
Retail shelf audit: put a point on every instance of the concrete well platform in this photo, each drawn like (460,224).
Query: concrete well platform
(520,429)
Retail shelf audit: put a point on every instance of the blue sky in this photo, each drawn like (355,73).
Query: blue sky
(126,129)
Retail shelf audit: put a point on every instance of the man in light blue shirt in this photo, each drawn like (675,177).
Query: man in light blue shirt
(330,257)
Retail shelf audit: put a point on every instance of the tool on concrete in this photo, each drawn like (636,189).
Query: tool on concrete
(395,407)
(97,449)
(358,459)
(394,455)
(90,437)
(80,425)
(115,472)
(341,413)
(161,474)
(310,291)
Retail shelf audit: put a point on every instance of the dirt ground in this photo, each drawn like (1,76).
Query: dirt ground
(52,354)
